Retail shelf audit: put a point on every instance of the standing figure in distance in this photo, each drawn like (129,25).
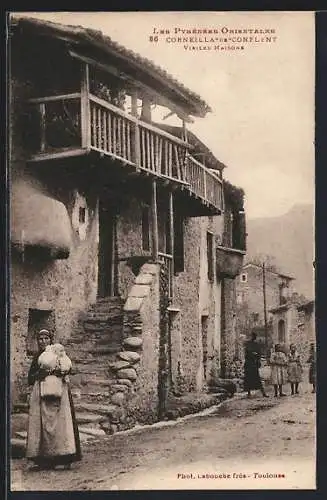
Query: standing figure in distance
(52,437)
(312,369)
(252,380)
(278,365)
(294,369)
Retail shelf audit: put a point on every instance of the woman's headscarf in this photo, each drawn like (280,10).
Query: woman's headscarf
(44,331)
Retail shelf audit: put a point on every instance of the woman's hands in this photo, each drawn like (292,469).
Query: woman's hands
(42,373)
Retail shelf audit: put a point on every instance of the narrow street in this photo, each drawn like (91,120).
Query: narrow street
(244,444)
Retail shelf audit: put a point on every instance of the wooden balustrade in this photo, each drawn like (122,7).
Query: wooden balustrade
(114,132)
(167,261)
(202,182)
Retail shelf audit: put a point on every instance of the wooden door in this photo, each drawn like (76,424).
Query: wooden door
(106,257)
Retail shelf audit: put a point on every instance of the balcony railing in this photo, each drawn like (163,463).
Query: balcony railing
(70,124)
(166,261)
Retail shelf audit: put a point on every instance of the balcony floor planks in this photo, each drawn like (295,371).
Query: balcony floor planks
(68,153)
(85,151)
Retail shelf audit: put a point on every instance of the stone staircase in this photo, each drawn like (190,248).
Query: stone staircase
(92,349)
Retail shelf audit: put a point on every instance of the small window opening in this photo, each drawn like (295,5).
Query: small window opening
(82,215)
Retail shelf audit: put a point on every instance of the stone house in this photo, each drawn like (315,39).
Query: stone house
(258,290)
(306,320)
(294,323)
(122,242)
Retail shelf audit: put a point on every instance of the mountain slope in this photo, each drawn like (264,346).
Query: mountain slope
(289,240)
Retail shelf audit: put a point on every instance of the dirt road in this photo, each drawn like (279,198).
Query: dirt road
(244,444)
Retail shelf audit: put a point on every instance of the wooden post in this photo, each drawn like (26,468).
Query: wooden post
(43,126)
(184,131)
(205,184)
(265,304)
(136,146)
(85,108)
(171,238)
(155,236)
(146,110)
(134,104)
(186,152)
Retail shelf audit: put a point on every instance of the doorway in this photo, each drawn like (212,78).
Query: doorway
(281,331)
(107,273)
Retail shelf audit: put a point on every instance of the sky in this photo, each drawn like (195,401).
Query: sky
(262,98)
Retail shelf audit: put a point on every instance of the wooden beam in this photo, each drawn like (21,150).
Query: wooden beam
(134,84)
(85,108)
(43,126)
(154,209)
(146,110)
(134,107)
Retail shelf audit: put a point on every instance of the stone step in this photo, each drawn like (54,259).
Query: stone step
(18,447)
(83,417)
(105,314)
(92,340)
(90,372)
(111,300)
(92,368)
(96,383)
(92,431)
(20,408)
(100,409)
(95,397)
(18,422)
(81,354)
(97,327)
(21,434)
(109,306)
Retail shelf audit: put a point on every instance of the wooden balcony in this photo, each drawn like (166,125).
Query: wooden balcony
(75,124)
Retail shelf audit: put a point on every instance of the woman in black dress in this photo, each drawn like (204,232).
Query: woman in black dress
(252,380)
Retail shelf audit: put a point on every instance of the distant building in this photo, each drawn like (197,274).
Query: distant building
(293,323)
(259,289)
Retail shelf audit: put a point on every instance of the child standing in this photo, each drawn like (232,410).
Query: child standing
(312,369)
(278,364)
(294,369)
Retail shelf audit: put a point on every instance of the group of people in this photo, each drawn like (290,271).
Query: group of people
(53,438)
(285,368)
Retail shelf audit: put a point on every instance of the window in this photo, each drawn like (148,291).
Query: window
(146,228)
(178,243)
(244,278)
(210,256)
(82,215)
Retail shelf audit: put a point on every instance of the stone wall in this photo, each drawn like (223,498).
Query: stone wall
(65,287)
(141,317)
(62,286)
(295,332)
(230,343)
(197,298)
